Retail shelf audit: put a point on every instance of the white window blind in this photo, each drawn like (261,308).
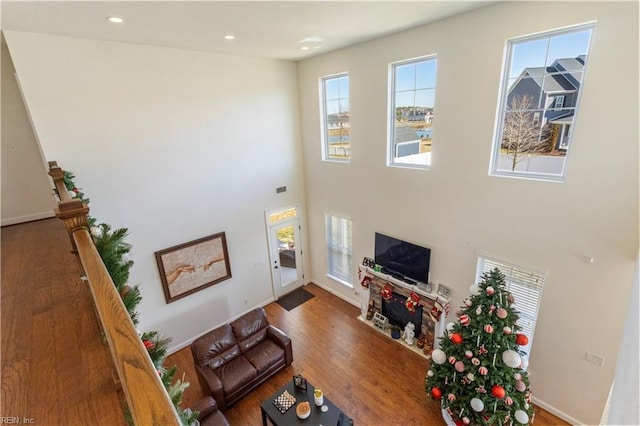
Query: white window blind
(526,287)
(339,244)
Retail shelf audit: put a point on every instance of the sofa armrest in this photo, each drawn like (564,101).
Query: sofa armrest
(205,407)
(211,382)
(283,341)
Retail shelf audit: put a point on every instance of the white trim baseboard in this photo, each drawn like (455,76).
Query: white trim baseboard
(27,218)
(175,348)
(553,410)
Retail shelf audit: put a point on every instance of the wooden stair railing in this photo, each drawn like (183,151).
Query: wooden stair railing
(146,396)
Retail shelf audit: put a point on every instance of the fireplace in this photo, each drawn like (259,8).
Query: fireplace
(398,314)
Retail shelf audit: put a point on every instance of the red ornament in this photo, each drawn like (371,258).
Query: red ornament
(459,423)
(436,393)
(452,360)
(488,328)
(148,344)
(456,338)
(498,391)
(522,339)
(386,292)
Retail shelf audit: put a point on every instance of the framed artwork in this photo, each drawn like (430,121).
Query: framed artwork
(190,267)
(299,382)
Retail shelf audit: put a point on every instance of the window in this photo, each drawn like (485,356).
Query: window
(526,287)
(340,265)
(542,78)
(335,117)
(411,112)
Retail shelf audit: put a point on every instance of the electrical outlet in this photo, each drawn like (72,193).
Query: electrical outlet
(594,359)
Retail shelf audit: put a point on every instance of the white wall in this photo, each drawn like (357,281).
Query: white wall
(458,210)
(26,190)
(174,145)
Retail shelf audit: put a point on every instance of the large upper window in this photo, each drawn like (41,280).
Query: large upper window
(339,262)
(542,83)
(413,90)
(526,287)
(335,118)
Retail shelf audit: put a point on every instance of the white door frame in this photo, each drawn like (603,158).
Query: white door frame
(280,287)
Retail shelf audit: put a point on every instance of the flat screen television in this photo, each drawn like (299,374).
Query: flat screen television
(402,260)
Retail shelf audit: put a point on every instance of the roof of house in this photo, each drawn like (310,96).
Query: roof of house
(556,74)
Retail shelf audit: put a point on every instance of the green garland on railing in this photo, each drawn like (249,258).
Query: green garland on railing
(114,251)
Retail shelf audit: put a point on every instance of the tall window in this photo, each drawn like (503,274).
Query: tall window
(335,117)
(542,78)
(525,285)
(411,112)
(340,265)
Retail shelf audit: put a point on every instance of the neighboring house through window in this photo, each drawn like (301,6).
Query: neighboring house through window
(526,287)
(339,243)
(411,112)
(539,103)
(336,143)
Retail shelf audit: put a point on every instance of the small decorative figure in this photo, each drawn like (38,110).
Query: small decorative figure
(370,311)
(409,333)
(420,343)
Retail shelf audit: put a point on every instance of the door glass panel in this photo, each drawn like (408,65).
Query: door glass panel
(282,215)
(287,252)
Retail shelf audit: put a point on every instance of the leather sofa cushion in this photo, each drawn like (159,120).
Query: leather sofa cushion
(216,347)
(250,329)
(264,355)
(235,373)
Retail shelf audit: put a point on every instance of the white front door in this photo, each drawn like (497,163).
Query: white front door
(285,250)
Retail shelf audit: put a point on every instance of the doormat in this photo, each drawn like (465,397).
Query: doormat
(295,299)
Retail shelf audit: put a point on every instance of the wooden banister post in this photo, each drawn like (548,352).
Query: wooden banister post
(74,215)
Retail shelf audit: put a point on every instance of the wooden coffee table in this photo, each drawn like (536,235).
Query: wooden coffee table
(330,418)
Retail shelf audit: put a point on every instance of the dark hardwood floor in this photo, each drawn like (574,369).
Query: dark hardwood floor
(370,377)
(57,371)
(55,368)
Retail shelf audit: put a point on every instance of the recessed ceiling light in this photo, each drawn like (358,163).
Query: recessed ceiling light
(115,19)
(304,48)
(312,39)
(229,37)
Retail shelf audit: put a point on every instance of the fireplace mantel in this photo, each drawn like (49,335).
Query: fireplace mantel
(374,282)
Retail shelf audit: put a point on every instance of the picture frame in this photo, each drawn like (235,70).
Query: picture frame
(192,266)
(443,291)
(299,382)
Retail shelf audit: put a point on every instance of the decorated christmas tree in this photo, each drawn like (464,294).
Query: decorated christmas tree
(479,373)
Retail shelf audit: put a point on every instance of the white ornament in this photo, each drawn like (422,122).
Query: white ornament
(96,231)
(520,386)
(511,358)
(522,417)
(474,290)
(517,376)
(468,354)
(471,377)
(72,194)
(466,420)
(468,302)
(438,356)
(450,326)
(430,373)
(506,329)
(477,404)
(478,310)
(490,290)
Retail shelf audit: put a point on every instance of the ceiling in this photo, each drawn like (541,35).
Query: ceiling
(269,29)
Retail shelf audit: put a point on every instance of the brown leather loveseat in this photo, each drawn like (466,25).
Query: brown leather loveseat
(235,358)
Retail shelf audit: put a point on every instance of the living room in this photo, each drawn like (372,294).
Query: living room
(218,133)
